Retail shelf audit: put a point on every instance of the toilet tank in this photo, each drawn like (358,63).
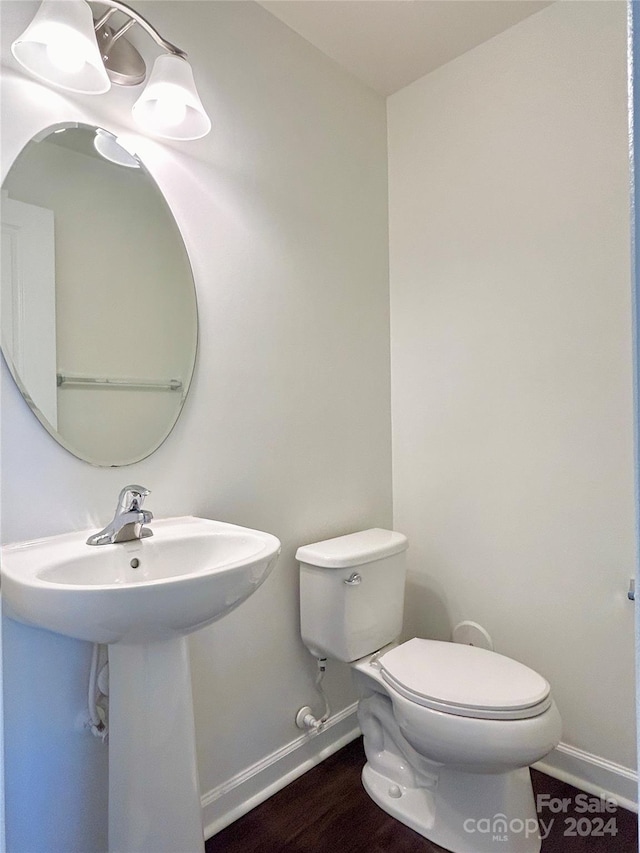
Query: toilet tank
(352,593)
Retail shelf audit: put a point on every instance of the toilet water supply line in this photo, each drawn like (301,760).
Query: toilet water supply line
(304,717)
(98,689)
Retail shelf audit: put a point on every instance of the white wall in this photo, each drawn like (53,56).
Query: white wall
(287,426)
(511,357)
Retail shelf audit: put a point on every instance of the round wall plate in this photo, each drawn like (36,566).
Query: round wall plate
(472,634)
(124,64)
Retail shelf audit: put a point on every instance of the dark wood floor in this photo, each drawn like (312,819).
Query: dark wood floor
(328,811)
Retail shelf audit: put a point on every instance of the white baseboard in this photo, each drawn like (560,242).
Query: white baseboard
(592,774)
(237,796)
(234,798)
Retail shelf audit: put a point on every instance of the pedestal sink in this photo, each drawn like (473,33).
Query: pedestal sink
(142,598)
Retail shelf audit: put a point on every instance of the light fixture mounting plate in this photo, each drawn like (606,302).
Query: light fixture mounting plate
(122,61)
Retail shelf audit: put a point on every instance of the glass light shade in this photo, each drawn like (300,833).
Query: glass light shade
(111,148)
(170,106)
(60,47)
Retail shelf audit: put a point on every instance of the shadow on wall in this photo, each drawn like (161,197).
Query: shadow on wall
(425,609)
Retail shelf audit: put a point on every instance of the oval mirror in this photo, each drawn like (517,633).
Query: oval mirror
(97,307)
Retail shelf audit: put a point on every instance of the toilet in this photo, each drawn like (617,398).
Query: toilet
(449,730)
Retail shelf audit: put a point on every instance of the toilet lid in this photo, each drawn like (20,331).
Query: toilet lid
(465,680)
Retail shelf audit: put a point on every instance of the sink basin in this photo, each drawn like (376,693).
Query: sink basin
(188,574)
(142,598)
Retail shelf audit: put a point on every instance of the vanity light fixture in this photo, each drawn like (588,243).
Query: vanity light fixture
(65,46)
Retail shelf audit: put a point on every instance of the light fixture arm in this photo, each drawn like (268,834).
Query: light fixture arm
(123,29)
(135,18)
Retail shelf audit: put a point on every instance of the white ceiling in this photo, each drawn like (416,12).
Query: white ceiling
(390,43)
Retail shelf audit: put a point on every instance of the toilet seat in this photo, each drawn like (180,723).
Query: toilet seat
(464,680)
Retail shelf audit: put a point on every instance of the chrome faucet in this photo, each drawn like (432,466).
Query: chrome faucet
(128,521)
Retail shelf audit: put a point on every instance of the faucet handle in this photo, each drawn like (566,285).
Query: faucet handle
(131,498)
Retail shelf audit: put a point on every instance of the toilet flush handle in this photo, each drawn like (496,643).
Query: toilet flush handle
(353,580)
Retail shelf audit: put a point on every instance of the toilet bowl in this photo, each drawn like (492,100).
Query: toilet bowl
(449,730)
(460,780)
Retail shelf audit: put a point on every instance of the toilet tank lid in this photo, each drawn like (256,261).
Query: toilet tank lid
(354,549)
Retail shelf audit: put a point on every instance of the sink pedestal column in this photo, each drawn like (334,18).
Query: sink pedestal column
(154,794)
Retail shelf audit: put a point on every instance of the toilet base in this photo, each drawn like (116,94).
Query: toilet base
(464,812)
